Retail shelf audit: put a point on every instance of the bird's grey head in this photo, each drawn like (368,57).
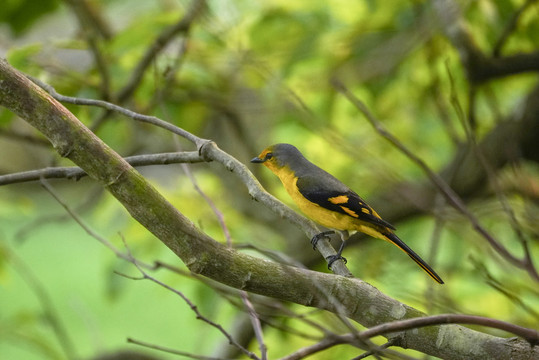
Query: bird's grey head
(286,154)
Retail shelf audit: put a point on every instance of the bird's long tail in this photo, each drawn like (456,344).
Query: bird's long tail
(394,239)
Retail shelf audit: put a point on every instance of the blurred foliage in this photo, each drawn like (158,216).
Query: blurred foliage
(249,74)
(20,15)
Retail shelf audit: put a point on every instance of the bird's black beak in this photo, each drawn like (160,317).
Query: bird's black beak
(257,160)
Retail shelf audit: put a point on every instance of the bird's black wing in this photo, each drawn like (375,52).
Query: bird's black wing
(334,195)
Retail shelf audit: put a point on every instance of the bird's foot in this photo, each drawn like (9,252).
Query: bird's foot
(332,258)
(317,237)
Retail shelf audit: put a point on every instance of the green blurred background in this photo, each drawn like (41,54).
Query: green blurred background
(248,74)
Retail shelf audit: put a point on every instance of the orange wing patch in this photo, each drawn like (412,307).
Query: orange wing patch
(349,212)
(341,199)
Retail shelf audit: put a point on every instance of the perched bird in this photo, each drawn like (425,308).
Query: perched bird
(329,202)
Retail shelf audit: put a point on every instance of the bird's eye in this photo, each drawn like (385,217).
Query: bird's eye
(268,156)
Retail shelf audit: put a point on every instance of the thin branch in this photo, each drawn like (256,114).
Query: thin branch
(381,348)
(93,28)
(191,305)
(74,172)
(218,213)
(81,222)
(170,351)
(510,27)
(34,140)
(530,335)
(87,202)
(159,43)
(257,327)
(120,110)
(326,343)
(478,66)
(469,128)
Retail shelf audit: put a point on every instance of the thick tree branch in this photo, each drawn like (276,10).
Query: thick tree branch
(346,296)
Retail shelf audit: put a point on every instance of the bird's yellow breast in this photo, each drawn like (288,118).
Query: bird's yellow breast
(325,217)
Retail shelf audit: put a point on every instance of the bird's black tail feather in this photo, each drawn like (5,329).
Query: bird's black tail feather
(394,239)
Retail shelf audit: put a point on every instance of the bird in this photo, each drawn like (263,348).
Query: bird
(330,203)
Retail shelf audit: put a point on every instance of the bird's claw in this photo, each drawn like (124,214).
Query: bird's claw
(332,258)
(317,237)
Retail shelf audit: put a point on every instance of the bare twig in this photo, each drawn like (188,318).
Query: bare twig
(170,351)
(380,349)
(14,135)
(76,173)
(530,335)
(81,222)
(87,202)
(510,27)
(139,265)
(469,128)
(191,305)
(94,28)
(478,66)
(326,343)
(257,327)
(218,213)
(120,110)
(159,43)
